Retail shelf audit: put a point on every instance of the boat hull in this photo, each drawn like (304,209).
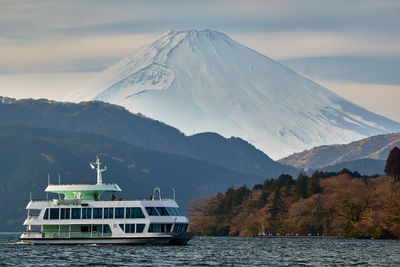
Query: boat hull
(180,239)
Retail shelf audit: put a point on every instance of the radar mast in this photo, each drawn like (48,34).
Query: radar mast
(98,169)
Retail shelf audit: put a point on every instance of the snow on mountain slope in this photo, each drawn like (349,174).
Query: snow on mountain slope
(375,147)
(201,81)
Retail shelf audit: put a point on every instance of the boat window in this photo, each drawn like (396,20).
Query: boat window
(65,213)
(160,227)
(139,227)
(95,228)
(178,211)
(46,214)
(134,213)
(54,213)
(175,211)
(76,213)
(106,228)
(152,211)
(180,227)
(119,213)
(172,211)
(153,228)
(85,228)
(122,226)
(111,213)
(108,213)
(97,213)
(162,211)
(129,228)
(86,213)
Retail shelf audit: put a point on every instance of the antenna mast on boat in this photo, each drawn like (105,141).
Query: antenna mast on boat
(99,171)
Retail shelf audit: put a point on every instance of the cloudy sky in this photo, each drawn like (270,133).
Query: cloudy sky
(50,48)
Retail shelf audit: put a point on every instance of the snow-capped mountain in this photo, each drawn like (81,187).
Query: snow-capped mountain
(203,81)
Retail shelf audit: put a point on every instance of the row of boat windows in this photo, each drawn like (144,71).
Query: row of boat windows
(132,228)
(108,213)
(161,211)
(154,227)
(93,213)
(180,227)
(166,227)
(105,228)
(127,228)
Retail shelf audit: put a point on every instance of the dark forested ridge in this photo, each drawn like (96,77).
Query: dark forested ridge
(27,155)
(332,204)
(116,122)
(363,166)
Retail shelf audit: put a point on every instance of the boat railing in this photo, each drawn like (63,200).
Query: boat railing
(84,184)
(137,199)
(121,199)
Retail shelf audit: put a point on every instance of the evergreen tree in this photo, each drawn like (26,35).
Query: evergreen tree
(276,204)
(314,186)
(266,190)
(301,186)
(393,164)
(286,182)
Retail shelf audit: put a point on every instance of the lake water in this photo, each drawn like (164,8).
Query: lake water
(209,251)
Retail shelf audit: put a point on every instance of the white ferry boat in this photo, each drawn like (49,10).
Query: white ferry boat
(82,218)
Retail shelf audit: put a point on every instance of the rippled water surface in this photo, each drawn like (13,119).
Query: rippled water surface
(209,251)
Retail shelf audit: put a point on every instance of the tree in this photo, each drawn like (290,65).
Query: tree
(277,204)
(301,186)
(314,186)
(286,182)
(393,164)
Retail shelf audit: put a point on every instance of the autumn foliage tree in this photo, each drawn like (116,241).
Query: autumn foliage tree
(393,164)
(333,204)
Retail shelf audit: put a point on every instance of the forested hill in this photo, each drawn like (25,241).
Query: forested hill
(331,204)
(116,122)
(27,155)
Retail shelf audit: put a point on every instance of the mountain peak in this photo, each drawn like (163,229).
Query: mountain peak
(194,32)
(203,81)
(193,37)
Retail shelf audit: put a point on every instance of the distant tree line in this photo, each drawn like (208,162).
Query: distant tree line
(341,203)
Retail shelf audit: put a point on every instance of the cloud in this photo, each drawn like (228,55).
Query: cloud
(74,35)
(34,17)
(96,52)
(55,86)
(69,54)
(285,45)
(367,70)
